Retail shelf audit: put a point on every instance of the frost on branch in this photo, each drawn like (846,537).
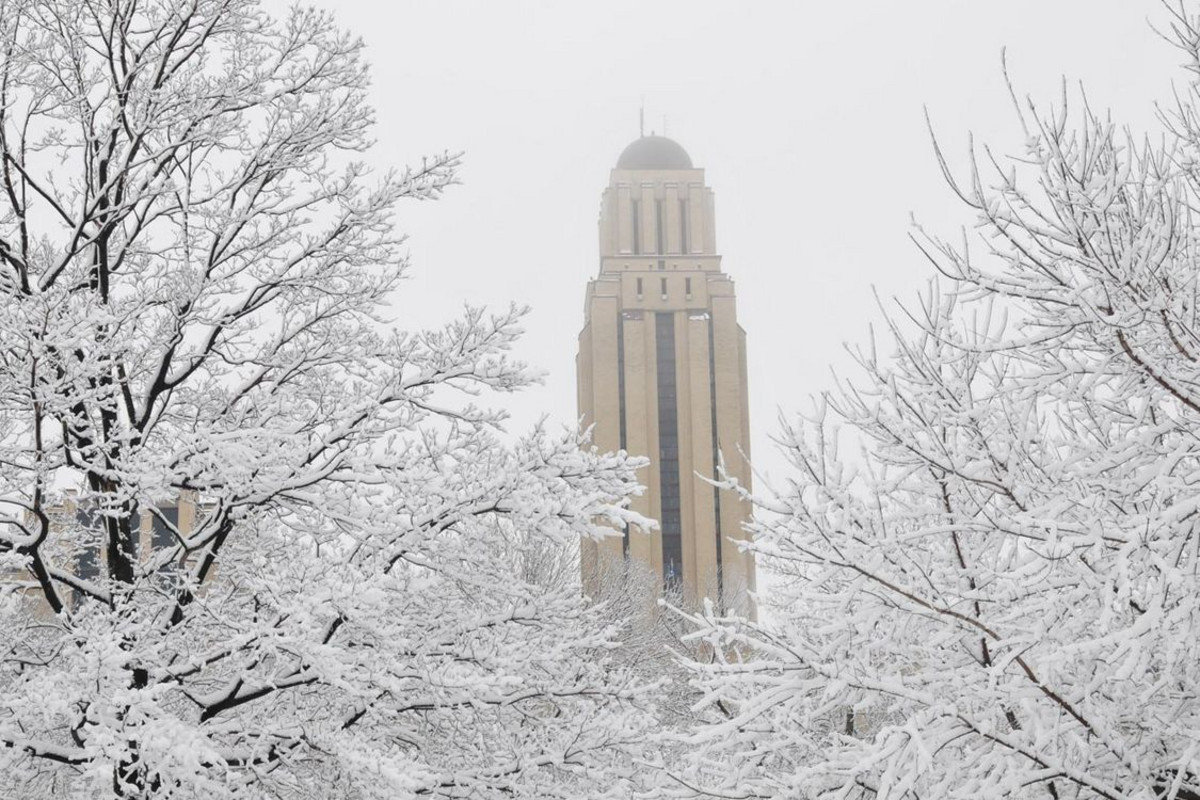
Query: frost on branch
(999,597)
(194,269)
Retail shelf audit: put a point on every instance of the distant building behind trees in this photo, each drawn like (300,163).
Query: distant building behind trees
(76,524)
(662,373)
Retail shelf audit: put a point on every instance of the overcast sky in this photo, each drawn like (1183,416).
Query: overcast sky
(808,118)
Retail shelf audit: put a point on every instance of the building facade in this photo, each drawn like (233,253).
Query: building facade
(78,541)
(662,373)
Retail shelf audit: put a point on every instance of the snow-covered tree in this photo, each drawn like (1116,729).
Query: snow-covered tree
(195,269)
(992,589)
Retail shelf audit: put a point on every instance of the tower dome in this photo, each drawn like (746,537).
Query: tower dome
(654,152)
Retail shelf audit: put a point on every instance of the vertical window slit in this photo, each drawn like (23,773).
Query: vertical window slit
(670,515)
(716,460)
(621,425)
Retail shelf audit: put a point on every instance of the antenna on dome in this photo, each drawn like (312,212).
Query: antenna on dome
(642,118)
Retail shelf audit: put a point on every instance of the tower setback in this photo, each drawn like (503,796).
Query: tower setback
(662,373)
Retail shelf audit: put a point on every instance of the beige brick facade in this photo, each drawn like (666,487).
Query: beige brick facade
(77,544)
(660,347)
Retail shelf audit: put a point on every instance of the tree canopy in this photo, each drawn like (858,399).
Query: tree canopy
(989,542)
(195,269)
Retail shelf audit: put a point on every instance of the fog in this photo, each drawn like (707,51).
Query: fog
(807,117)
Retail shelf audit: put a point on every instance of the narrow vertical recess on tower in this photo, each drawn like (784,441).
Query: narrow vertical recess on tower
(659,231)
(683,227)
(636,216)
(716,463)
(668,449)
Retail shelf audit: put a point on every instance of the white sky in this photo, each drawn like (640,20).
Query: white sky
(806,116)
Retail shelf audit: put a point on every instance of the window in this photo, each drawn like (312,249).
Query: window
(668,448)
(163,523)
(687,286)
(716,460)
(639,287)
(663,283)
(87,560)
(621,401)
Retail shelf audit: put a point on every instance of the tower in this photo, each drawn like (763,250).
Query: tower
(662,373)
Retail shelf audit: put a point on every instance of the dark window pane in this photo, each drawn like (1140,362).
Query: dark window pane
(87,561)
(622,433)
(668,445)
(91,539)
(162,537)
